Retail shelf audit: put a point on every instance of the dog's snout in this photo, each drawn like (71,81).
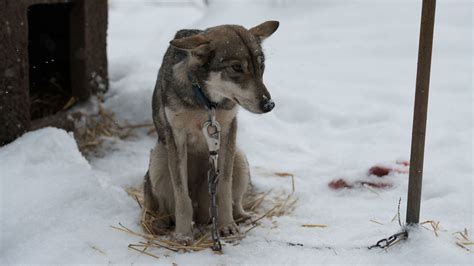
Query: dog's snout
(267,105)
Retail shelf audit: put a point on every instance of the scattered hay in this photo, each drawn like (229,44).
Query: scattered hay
(396,217)
(314,225)
(282,206)
(254,203)
(434,226)
(376,222)
(463,239)
(284,174)
(98,250)
(93,129)
(47,99)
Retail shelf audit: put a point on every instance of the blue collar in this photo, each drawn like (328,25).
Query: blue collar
(199,94)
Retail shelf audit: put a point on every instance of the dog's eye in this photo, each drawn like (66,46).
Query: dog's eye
(237,68)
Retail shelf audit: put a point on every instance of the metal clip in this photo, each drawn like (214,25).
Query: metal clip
(212,134)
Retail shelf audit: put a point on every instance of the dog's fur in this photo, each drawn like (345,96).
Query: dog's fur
(228,63)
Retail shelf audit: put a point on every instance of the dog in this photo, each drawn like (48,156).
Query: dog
(227,64)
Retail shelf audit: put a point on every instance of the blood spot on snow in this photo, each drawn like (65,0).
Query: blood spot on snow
(339,183)
(380,171)
(401,167)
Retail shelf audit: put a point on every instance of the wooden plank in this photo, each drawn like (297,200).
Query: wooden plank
(14,94)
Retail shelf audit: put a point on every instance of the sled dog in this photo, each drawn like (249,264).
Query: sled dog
(219,69)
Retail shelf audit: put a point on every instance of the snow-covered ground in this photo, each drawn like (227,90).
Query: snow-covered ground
(342,74)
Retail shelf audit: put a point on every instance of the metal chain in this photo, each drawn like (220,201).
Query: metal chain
(213,178)
(387,242)
(211,130)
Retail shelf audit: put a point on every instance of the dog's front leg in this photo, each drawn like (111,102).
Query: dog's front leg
(177,162)
(225,218)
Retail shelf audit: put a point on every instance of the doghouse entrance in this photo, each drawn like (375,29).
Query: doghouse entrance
(49,58)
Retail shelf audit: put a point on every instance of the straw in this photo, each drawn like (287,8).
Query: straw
(92,129)
(153,239)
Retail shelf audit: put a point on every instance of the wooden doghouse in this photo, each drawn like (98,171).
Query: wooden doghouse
(51,52)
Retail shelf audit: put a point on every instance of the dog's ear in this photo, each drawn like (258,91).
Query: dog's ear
(265,29)
(190,43)
(197,46)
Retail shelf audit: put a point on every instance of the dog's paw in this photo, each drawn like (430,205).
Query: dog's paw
(229,230)
(181,239)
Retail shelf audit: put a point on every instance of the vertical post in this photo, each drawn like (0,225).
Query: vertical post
(420,112)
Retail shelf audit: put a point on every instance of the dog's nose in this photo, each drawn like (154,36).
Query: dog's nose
(267,105)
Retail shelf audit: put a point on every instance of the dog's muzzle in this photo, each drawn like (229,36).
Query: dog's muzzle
(267,104)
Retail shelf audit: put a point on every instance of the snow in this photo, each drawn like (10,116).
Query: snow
(342,74)
(53,200)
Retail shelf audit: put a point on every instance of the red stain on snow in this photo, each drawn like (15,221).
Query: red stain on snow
(380,171)
(339,183)
(377,170)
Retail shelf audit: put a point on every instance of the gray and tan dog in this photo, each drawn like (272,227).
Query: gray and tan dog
(228,63)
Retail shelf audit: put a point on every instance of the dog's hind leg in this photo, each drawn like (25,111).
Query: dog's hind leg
(157,188)
(240,183)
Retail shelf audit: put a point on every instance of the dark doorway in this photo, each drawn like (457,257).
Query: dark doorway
(49,58)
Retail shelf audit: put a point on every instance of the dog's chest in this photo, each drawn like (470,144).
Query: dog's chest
(188,124)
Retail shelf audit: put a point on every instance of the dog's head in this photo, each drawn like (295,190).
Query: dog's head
(231,61)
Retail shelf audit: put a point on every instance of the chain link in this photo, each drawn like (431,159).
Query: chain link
(391,240)
(213,178)
(211,130)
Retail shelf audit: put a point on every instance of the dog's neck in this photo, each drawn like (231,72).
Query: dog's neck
(200,95)
(183,76)
(207,98)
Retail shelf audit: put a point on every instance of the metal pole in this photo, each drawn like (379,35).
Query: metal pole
(420,113)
